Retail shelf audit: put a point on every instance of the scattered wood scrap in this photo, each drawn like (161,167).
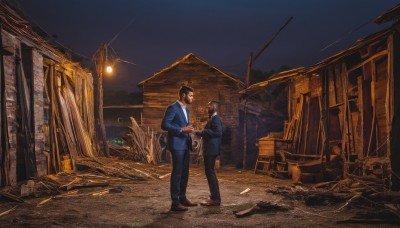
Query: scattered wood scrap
(314,198)
(8,211)
(294,192)
(113,169)
(377,216)
(85,184)
(245,191)
(262,207)
(11,197)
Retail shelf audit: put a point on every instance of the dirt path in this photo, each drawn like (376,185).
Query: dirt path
(146,204)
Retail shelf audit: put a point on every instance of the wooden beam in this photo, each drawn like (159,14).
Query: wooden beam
(373,57)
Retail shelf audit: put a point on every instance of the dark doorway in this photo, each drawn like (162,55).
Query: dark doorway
(26,161)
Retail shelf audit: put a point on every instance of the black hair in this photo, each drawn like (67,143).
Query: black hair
(185,90)
(215,103)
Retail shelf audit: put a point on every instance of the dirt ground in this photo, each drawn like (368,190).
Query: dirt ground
(146,203)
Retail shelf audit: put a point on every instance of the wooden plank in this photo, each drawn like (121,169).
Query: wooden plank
(4,139)
(307,120)
(10,196)
(382,105)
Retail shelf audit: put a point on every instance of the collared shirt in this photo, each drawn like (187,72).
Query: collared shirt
(183,109)
(214,114)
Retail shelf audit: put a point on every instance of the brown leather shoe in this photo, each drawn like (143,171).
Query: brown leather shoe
(178,207)
(211,202)
(187,203)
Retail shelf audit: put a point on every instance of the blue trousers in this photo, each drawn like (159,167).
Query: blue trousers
(209,168)
(179,176)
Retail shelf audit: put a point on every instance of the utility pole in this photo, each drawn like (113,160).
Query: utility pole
(247,84)
(100,60)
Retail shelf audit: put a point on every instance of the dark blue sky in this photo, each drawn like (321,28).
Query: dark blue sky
(222,32)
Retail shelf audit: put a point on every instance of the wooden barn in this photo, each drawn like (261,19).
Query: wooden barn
(46,102)
(209,83)
(344,111)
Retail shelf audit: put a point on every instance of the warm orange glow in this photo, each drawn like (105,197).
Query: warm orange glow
(109,69)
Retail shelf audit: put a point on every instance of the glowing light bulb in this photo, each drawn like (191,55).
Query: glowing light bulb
(109,69)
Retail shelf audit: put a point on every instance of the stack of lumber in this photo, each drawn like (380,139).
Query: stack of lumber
(145,145)
(115,169)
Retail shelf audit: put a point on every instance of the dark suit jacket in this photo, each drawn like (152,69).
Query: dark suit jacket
(212,134)
(174,120)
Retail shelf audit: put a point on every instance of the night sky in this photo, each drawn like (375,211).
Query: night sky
(222,32)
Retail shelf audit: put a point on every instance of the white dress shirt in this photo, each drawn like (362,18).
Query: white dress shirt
(183,109)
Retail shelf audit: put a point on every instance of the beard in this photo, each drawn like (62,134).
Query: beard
(187,100)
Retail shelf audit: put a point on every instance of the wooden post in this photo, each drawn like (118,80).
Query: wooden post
(51,121)
(248,74)
(360,86)
(326,119)
(245,136)
(395,120)
(247,83)
(389,91)
(4,143)
(100,62)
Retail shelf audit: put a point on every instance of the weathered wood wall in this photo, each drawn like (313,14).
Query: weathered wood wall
(209,84)
(34,72)
(359,107)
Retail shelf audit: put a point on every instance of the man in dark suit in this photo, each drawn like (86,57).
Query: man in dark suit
(211,136)
(177,122)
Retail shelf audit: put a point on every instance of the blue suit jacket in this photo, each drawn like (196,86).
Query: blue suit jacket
(211,135)
(174,120)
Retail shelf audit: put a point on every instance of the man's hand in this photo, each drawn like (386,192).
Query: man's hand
(188,129)
(198,132)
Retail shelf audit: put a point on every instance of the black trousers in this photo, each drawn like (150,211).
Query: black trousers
(209,167)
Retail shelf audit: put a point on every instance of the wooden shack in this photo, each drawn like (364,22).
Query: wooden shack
(209,83)
(358,104)
(347,108)
(46,111)
(263,111)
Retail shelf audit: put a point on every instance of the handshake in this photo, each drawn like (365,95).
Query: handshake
(190,129)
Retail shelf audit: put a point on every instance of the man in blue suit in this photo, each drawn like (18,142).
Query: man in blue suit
(211,136)
(177,122)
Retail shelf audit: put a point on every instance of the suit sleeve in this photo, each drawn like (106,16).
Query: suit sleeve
(167,124)
(215,130)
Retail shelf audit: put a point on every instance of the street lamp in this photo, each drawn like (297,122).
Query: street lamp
(109,69)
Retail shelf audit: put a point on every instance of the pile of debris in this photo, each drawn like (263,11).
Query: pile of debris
(102,175)
(143,146)
(367,195)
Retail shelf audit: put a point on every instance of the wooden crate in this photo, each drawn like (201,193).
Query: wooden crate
(269,146)
(267,154)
